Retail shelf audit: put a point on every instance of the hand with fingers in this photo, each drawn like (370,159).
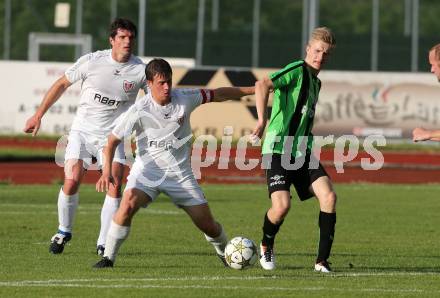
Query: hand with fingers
(257,133)
(104,182)
(421,134)
(32,125)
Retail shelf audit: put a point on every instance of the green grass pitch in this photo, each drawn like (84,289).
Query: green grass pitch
(386,245)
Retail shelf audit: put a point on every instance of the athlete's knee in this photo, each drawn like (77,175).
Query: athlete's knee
(280,206)
(115,188)
(331,198)
(73,172)
(328,202)
(279,212)
(71,186)
(117,183)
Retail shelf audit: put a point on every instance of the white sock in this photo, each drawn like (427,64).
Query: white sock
(108,210)
(67,206)
(115,237)
(218,242)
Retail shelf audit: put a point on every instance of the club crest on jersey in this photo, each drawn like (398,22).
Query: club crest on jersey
(128,85)
(181,120)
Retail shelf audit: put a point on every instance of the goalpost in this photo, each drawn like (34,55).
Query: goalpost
(36,39)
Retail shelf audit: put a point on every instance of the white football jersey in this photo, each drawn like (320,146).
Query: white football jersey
(163,133)
(108,88)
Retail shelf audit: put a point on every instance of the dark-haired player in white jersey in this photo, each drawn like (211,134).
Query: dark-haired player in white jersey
(110,81)
(161,123)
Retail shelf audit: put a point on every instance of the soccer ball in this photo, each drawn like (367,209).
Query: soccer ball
(241,253)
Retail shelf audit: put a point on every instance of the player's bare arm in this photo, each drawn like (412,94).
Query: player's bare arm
(262,89)
(421,134)
(228,93)
(108,154)
(53,94)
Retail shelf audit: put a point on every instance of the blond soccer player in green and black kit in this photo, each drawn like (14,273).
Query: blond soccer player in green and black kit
(296,89)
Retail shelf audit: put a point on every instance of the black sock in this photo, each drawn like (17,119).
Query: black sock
(327,222)
(269,231)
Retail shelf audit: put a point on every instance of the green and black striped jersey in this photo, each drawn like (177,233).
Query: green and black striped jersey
(296,92)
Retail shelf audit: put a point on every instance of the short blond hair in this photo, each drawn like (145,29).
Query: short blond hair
(436,50)
(324,34)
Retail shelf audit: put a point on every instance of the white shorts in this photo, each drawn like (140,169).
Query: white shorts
(84,147)
(183,190)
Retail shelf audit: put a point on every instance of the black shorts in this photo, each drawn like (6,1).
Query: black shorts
(279,178)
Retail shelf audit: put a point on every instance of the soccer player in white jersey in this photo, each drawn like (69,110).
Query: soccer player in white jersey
(110,81)
(161,124)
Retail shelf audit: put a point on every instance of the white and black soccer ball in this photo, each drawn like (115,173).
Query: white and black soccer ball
(240,253)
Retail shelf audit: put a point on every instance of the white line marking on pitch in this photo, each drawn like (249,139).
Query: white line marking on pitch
(315,289)
(215,278)
(83,283)
(211,278)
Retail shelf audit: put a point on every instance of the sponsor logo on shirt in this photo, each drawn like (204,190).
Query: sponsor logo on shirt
(277,179)
(117,72)
(105,100)
(128,85)
(181,120)
(165,144)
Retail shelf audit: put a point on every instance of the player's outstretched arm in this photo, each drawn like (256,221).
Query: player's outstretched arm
(227,93)
(108,153)
(262,90)
(53,94)
(421,134)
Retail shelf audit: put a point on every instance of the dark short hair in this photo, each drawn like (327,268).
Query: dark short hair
(160,67)
(120,23)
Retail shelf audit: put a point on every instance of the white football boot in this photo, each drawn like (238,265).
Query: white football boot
(323,267)
(267,257)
